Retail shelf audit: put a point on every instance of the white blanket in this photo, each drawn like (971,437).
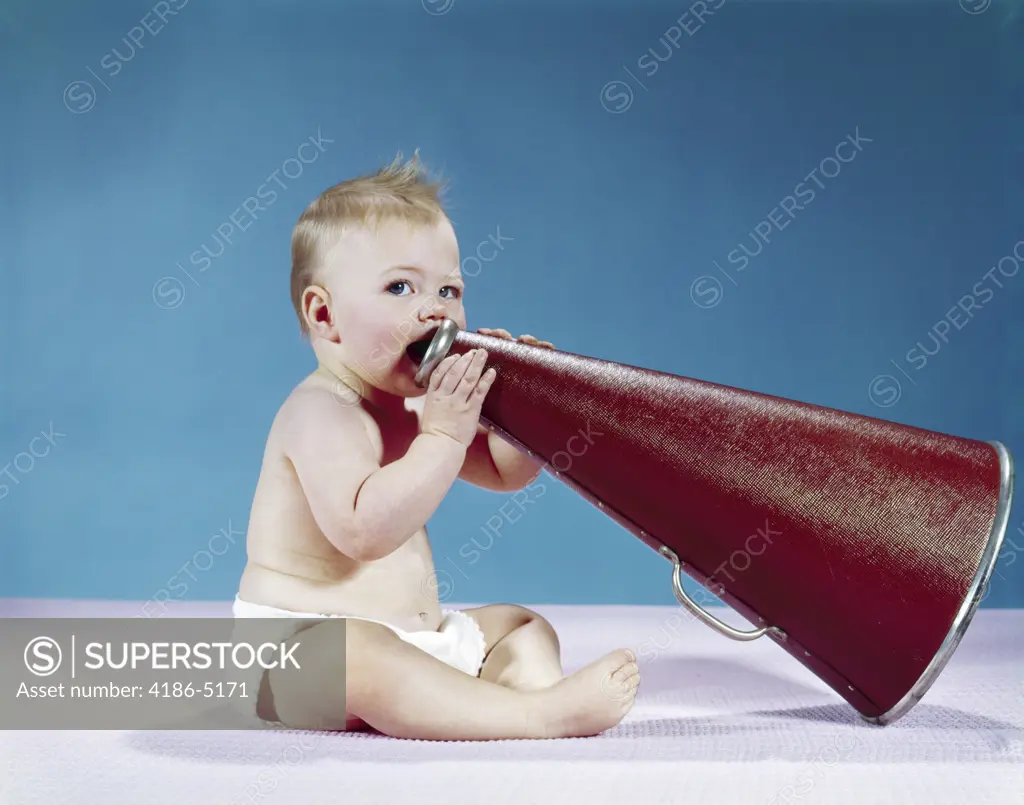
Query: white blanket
(715,720)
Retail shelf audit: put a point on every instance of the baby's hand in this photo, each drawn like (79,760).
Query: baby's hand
(455,393)
(523,339)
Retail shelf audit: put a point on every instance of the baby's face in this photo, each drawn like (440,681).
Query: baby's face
(388,289)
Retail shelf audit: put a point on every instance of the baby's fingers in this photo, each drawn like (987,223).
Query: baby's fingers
(473,372)
(484,385)
(457,372)
(533,341)
(440,371)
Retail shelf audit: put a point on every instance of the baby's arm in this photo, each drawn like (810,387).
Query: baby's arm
(493,463)
(365,510)
(368,511)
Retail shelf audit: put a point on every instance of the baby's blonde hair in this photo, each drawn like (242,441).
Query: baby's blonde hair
(397,192)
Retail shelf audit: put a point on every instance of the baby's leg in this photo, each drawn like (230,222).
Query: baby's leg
(523,651)
(402,691)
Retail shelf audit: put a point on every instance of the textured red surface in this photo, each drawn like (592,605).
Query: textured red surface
(857,537)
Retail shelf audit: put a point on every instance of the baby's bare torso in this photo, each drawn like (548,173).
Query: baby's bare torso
(291,564)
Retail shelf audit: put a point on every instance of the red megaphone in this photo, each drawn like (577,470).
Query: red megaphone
(861,546)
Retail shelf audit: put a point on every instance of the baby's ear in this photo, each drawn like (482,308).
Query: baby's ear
(317,309)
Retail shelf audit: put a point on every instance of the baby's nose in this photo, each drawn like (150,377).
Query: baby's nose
(432,309)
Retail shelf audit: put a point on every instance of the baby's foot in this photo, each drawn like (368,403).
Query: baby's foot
(593,699)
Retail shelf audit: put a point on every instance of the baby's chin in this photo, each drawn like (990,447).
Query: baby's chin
(404,385)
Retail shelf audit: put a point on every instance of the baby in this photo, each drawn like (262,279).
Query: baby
(357,460)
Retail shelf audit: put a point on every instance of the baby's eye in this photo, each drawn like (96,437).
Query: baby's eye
(457,293)
(397,284)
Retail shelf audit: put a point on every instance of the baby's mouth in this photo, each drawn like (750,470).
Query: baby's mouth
(418,348)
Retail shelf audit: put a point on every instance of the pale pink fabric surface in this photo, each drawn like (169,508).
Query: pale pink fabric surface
(716,720)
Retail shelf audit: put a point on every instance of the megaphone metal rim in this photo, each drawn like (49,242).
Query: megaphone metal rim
(438,348)
(971,601)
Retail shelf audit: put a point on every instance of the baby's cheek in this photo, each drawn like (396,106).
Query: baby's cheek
(383,333)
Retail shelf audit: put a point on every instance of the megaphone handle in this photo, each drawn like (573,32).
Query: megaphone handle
(702,614)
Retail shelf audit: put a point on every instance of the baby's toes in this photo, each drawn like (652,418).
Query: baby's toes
(627,678)
(616,689)
(618,685)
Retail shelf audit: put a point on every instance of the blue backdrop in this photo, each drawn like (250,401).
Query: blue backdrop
(633,158)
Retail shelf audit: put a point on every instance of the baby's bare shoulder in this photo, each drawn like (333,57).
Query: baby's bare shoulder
(313,418)
(327,445)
